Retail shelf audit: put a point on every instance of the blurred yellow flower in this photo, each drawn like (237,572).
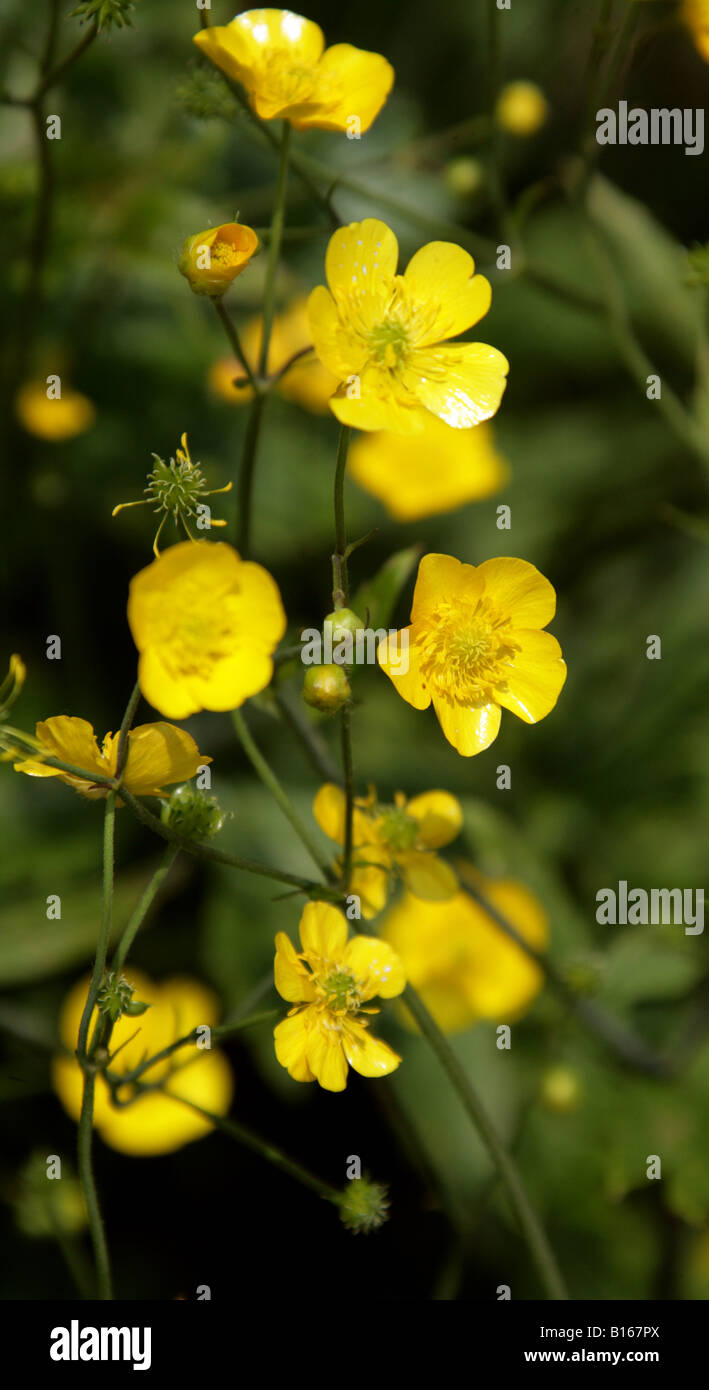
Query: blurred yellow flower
(50,418)
(521,108)
(11,686)
(461,962)
(434,471)
(398,839)
(307,382)
(475,647)
(205,623)
(695,14)
(329,982)
(384,336)
(210,260)
(157,754)
(153,1123)
(281,61)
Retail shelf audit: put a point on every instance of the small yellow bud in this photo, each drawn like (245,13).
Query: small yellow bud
(560,1090)
(326,688)
(521,108)
(210,260)
(464,176)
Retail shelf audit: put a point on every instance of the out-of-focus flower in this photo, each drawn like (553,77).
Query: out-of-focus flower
(178,488)
(306,383)
(560,1090)
(521,108)
(384,336)
(326,688)
(394,840)
(157,754)
(330,983)
(476,646)
(153,1123)
(11,687)
(281,61)
(463,965)
(205,623)
(434,471)
(364,1206)
(48,1207)
(695,15)
(464,175)
(53,418)
(212,259)
(105,14)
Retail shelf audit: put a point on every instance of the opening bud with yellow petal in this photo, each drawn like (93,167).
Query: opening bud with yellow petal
(364,1206)
(210,260)
(326,688)
(192,814)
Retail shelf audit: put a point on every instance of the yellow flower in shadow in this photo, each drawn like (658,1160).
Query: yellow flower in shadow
(434,471)
(53,418)
(158,754)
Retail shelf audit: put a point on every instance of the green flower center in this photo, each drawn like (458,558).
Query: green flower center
(389,342)
(341,991)
(398,831)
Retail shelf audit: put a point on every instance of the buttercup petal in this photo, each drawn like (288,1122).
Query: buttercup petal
(291,977)
(366,79)
(393,656)
(376,967)
(461,383)
(442,274)
(440,817)
(469,730)
(427,876)
(433,471)
(71,740)
(339,347)
(443,579)
(367,1055)
(519,590)
(326,1059)
(158,754)
(291,1044)
(360,264)
(536,677)
(323,930)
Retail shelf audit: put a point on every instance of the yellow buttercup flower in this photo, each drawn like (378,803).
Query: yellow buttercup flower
(521,108)
(50,418)
(306,383)
(329,982)
(153,1123)
(434,471)
(205,623)
(281,61)
(695,15)
(158,754)
(463,965)
(11,686)
(384,336)
(399,839)
(475,647)
(212,259)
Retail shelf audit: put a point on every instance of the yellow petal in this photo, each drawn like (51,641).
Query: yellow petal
(462,383)
(257,40)
(469,730)
(366,80)
(394,654)
(427,876)
(519,591)
(173,695)
(536,678)
(326,1059)
(371,885)
(158,754)
(323,930)
(440,817)
(329,811)
(378,400)
(422,474)
(360,264)
(234,680)
(367,1055)
(376,967)
(442,579)
(339,347)
(441,274)
(72,740)
(291,978)
(291,1043)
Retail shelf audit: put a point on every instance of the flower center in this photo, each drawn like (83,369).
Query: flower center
(398,831)
(467,651)
(389,342)
(341,991)
(224,254)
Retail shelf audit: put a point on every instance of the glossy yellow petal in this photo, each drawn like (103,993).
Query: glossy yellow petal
(396,654)
(326,1059)
(461,383)
(259,49)
(440,817)
(365,80)
(323,930)
(173,694)
(442,579)
(471,731)
(341,350)
(536,678)
(427,876)
(367,1055)
(378,400)
(72,740)
(434,471)
(376,967)
(291,978)
(371,886)
(360,265)
(291,1043)
(520,592)
(158,754)
(329,811)
(442,274)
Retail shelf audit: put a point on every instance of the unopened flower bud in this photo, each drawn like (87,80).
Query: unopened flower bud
(210,260)
(560,1090)
(464,175)
(521,108)
(344,622)
(192,814)
(364,1206)
(326,688)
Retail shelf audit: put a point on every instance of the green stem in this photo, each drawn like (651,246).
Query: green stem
(246,474)
(280,796)
(340,579)
(235,342)
(51,78)
(126,726)
(348,772)
(274,248)
(105,928)
(265,1150)
(141,910)
(225,1030)
(315,748)
(530,1225)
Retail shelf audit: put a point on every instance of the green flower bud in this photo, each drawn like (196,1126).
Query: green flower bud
(464,176)
(326,688)
(114,996)
(344,621)
(560,1090)
(364,1206)
(192,814)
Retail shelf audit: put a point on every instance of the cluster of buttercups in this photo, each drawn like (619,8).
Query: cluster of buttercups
(206,622)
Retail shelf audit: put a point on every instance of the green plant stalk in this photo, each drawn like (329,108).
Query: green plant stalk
(274,248)
(340,579)
(510,1178)
(246,473)
(138,917)
(235,342)
(126,725)
(225,1030)
(280,796)
(315,748)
